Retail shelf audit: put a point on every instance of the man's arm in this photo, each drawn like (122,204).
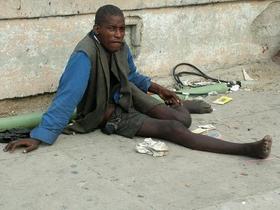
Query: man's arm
(145,84)
(72,86)
(169,97)
(139,80)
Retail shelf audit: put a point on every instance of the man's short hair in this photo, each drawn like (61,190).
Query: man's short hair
(106,10)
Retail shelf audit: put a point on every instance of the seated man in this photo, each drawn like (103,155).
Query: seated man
(102,82)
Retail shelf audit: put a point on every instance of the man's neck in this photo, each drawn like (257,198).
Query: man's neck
(108,54)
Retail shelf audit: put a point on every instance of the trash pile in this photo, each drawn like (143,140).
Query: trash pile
(151,147)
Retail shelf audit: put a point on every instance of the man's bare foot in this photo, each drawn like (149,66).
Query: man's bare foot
(262,148)
(197,106)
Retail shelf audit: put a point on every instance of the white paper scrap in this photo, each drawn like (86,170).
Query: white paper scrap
(151,147)
(203,128)
(235,88)
(246,76)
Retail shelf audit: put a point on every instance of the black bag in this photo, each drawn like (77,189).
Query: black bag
(14,134)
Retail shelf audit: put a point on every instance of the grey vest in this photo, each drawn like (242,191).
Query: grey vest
(93,105)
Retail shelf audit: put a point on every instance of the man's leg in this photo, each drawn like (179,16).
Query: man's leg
(165,112)
(194,106)
(176,132)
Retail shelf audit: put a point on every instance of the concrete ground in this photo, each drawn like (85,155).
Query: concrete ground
(95,171)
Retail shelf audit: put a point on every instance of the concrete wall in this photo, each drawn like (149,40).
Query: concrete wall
(37,36)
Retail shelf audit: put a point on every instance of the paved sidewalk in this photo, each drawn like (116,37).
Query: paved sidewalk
(96,171)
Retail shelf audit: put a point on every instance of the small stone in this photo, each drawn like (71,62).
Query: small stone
(244,174)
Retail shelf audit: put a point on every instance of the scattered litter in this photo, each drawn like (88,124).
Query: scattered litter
(208,126)
(208,130)
(235,88)
(151,147)
(214,133)
(222,100)
(186,83)
(243,202)
(82,183)
(187,185)
(246,76)
(200,83)
(213,93)
(199,98)
(203,128)
(199,130)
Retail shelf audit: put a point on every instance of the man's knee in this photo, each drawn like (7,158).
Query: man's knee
(174,126)
(183,115)
(185,118)
(164,112)
(188,121)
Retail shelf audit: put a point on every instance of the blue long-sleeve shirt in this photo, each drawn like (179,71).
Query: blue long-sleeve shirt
(72,86)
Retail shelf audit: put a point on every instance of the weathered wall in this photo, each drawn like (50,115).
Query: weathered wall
(37,36)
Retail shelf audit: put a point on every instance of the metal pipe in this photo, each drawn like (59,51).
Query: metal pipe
(29,120)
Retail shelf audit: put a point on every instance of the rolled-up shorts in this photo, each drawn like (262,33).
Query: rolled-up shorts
(126,123)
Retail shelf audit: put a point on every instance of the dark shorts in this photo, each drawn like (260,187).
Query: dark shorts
(128,123)
(124,123)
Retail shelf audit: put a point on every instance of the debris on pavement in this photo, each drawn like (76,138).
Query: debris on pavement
(14,134)
(203,128)
(235,88)
(208,130)
(213,93)
(247,89)
(151,147)
(246,76)
(198,83)
(222,100)
(213,133)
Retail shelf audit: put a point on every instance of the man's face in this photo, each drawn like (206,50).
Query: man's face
(111,33)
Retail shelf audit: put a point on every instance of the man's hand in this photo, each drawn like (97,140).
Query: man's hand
(30,144)
(169,97)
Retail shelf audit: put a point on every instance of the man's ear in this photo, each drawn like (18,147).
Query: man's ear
(96,29)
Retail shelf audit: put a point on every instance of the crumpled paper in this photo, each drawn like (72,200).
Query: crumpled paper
(203,128)
(209,130)
(151,147)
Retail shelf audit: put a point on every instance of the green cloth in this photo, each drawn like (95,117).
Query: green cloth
(185,92)
(204,90)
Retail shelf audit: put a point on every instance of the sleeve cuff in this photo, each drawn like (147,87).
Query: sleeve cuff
(148,85)
(44,135)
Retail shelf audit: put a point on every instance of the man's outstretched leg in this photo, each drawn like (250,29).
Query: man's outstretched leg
(176,132)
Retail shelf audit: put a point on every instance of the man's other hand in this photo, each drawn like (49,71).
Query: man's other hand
(169,97)
(29,144)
